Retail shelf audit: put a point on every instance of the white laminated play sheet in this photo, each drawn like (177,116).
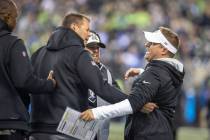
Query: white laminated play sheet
(72,125)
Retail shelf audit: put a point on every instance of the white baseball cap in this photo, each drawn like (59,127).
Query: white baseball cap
(158,37)
(94,39)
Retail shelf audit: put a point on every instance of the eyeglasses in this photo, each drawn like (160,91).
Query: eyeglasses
(149,44)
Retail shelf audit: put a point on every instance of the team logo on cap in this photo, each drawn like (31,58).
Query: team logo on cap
(93,38)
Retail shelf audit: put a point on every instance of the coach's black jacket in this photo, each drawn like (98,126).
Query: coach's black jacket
(75,73)
(16,81)
(159,83)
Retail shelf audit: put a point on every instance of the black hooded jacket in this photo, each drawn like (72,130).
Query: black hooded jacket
(75,73)
(16,81)
(160,83)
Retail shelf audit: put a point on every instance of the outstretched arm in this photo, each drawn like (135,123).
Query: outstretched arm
(110,111)
(92,78)
(115,110)
(143,90)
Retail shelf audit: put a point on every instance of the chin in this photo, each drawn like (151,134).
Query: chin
(147,58)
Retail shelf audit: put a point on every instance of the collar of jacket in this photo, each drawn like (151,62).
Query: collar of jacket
(64,37)
(175,74)
(4,26)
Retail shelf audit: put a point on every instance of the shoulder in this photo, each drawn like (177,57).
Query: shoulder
(150,74)
(81,51)
(76,53)
(37,52)
(11,37)
(151,71)
(157,70)
(14,43)
(156,67)
(74,50)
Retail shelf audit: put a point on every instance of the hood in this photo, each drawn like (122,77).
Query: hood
(62,38)
(174,67)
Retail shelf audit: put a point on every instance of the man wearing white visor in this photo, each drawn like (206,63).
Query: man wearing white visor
(160,82)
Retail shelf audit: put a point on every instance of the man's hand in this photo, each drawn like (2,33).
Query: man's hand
(131,73)
(87,115)
(148,107)
(51,77)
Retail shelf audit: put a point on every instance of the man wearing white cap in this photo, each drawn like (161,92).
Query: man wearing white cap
(160,83)
(93,46)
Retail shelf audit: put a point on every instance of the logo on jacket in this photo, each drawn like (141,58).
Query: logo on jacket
(92,96)
(145,82)
(24,53)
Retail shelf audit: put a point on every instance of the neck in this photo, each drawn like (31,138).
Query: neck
(162,56)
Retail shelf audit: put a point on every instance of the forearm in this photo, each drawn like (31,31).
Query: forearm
(35,85)
(140,71)
(93,79)
(111,111)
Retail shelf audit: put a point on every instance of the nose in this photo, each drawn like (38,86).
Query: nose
(95,51)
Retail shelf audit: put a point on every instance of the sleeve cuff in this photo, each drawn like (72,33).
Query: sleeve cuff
(141,71)
(115,110)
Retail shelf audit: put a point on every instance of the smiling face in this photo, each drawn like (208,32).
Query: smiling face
(95,52)
(154,51)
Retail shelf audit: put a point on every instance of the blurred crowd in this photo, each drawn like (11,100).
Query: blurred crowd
(120,24)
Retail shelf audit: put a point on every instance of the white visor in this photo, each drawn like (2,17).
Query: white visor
(158,37)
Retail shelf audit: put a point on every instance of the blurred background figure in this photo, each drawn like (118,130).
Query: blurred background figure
(119,24)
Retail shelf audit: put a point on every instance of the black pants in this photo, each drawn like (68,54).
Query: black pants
(48,136)
(17,135)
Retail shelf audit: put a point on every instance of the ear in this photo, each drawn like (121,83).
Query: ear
(164,51)
(74,27)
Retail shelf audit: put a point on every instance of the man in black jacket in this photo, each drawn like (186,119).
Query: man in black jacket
(75,73)
(16,77)
(160,83)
